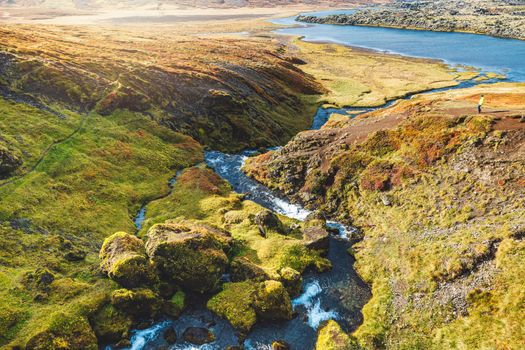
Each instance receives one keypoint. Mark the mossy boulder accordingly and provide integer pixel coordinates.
(175, 305)
(317, 238)
(243, 269)
(188, 255)
(332, 337)
(110, 324)
(9, 162)
(267, 220)
(291, 280)
(235, 304)
(64, 332)
(123, 259)
(39, 280)
(272, 301)
(139, 303)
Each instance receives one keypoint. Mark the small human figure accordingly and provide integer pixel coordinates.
(480, 104)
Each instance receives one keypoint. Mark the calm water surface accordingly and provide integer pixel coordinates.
(481, 51)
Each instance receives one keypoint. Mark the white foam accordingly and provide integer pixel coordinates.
(142, 337)
(311, 302)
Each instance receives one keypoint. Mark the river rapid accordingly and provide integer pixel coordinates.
(338, 294)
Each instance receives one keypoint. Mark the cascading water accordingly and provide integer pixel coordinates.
(338, 294)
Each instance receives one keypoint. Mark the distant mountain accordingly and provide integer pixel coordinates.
(87, 4)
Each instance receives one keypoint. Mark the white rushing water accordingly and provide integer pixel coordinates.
(311, 302)
(140, 338)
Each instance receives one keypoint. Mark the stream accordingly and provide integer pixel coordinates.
(339, 294)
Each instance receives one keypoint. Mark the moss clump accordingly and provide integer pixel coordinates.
(332, 337)
(235, 304)
(176, 304)
(71, 332)
(138, 303)
(291, 280)
(241, 269)
(9, 162)
(192, 256)
(123, 258)
(272, 301)
(300, 258)
(110, 324)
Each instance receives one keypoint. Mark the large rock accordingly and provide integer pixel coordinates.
(267, 220)
(192, 256)
(64, 331)
(272, 302)
(9, 162)
(332, 337)
(124, 260)
(242, 269)
(198, 335)
(292, 281)
(110, 324)
(139, 303)
(317, 238)
(235, 304)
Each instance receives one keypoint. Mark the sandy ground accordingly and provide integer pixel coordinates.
(144, 15)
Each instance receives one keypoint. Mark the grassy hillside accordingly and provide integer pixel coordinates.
(439, 196)
(227, 93)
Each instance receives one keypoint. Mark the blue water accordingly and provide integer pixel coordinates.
(487, 53)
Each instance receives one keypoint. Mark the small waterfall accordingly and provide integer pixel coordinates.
(140, 338)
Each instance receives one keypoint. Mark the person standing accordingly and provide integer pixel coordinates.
(480, 104)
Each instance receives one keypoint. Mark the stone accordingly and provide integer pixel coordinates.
(272, 302)
(75, 255)
(198, 335)
(64, 331)
(242, 269)
(139, 302)
(170, 335)
(316, 237)
(110, 324)
(9, 162)
(268, 220)
(188, 255)
(280, 345)
(332, 337)
(292, 281)
(175, 305)
(123, 258)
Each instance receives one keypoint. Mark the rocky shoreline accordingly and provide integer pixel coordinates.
(505, 20)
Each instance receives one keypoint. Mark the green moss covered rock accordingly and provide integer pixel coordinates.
(139, 303)
(267, 220)
(235, 304)
(272, 301)
(190, 256)
(332, 337)
(110, 324)
(317, 238)
(242, 269)
(291, 280)
(65, 332)
(123, 258)
(175, 305)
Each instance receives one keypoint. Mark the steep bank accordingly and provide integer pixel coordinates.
(439, 195)
(496, 18)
